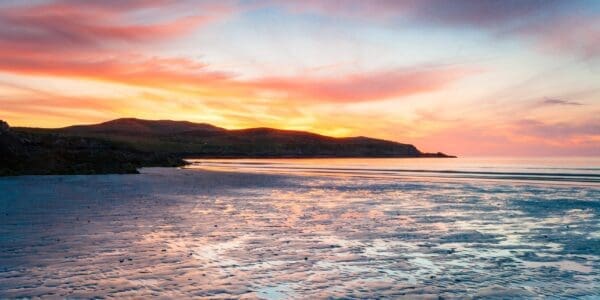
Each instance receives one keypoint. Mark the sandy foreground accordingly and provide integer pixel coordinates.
(178, 233)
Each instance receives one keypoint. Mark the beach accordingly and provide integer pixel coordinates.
(225, 229)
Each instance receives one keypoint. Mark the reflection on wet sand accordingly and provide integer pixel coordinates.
(196, 233)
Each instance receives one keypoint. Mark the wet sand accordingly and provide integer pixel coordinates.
(195, 233)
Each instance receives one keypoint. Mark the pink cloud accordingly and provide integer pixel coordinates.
(122, 68)
(72, 26)
(364, 86)
(91, 39)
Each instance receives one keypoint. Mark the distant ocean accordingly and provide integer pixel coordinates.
(568, 169)
(308, 228)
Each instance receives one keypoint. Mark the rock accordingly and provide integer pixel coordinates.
(4, 128)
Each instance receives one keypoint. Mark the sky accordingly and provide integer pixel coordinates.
(466, 77)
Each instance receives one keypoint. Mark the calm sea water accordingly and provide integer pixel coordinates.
(568, 169)
(308, 228)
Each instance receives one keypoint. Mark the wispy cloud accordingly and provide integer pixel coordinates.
(92, 39)
(553, 101)
(557, 132)
(565, 26)
(71, 26)
(577, 34)
(365, 86)
(492, 13)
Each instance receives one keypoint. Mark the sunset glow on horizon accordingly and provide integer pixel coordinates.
(463, 77)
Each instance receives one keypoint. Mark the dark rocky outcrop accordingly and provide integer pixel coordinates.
(27, 153)
(12, 150)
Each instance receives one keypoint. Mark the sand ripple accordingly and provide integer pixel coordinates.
(190, 233)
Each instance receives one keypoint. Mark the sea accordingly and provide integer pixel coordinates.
(355, 228)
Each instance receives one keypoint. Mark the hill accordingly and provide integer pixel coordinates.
(123, 145)
(203, 140)
(138, 126)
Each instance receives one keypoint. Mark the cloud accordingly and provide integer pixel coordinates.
(551, 101)
(184, 73)
(92, 39)
(565, 26)
(128, 69)
(365, 86)
(558, 132)
(78, 44)
(576, 34)
(491, 13)
(71, 26)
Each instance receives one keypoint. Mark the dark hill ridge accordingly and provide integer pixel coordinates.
(138, 126)
(123, 145)
(203, 140)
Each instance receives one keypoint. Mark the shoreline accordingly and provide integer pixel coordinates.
(176, 162)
